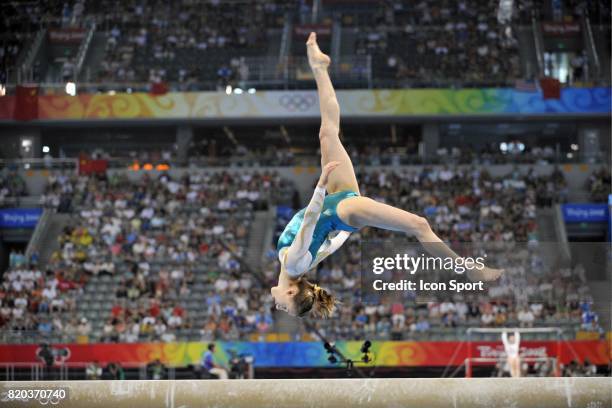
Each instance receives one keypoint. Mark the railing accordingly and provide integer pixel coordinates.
(39, 232)
(80, 58)
(67, 368)
(20, 201)
(255, 160)
(65, 371)
(40, 164)
(264, 72)
(25, 68)
(561, 233)
(312, 160)
(590, 44)
(470, 362)
(539, 46)
(8, 369)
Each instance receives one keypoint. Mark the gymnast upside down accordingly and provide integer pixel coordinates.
(306, 239)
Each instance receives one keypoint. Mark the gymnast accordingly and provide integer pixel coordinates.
(512, 347)
(308, 238)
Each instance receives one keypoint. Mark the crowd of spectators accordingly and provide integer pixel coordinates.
(158, 41)
(12, 185)
(146, 246)
(428, 43)
(494, 153)
(32, 300)
(598, 185)
(597, 10)
(432, 41)
(577, 369)
(21, 21)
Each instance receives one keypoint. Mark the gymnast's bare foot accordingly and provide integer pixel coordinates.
(316, 58)
(485, 274)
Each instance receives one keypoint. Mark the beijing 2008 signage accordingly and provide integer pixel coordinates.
(19, 217)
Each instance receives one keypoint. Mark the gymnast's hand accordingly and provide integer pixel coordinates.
(329, 167)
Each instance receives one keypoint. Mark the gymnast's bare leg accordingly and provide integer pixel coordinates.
(362, 211)
(343, 177)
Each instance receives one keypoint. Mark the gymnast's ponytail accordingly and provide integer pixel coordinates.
(314, 299)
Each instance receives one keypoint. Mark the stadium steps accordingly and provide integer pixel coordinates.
(274, 42)
(550, 242)
(94, 58)
(546, 225)
(49, 242)
(349, 41)
(601, 37)
(527, 51)
(257, 242)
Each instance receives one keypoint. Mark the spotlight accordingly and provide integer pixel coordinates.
(251, 91)
(228, 89)
(71, 88)
(574, 146)
(111, 92)
(46, 149)
(238, 91)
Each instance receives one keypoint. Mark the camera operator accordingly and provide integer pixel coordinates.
(45, 354)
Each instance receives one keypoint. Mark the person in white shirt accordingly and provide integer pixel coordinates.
(512, 348)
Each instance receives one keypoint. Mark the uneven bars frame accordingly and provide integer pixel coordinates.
(470, 330)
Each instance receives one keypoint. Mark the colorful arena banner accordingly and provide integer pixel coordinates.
(309, 354)
(19, 217)
(585, 212)
(304, 104)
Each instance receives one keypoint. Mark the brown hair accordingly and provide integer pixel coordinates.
(312, 298)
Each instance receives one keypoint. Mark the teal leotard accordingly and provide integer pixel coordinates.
(328, 222)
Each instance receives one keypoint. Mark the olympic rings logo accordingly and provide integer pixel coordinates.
(297, 102)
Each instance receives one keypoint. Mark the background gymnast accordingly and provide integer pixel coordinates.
(512, 346)
(306, 240)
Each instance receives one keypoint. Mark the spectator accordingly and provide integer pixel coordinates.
(114, 371)
(208, 364)
(93, 371)
(156, 370)
(525, 317)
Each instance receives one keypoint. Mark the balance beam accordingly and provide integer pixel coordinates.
(322, 393)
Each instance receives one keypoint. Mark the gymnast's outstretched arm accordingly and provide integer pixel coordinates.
(297, 259)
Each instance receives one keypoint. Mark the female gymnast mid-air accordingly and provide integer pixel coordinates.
(306, 240)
